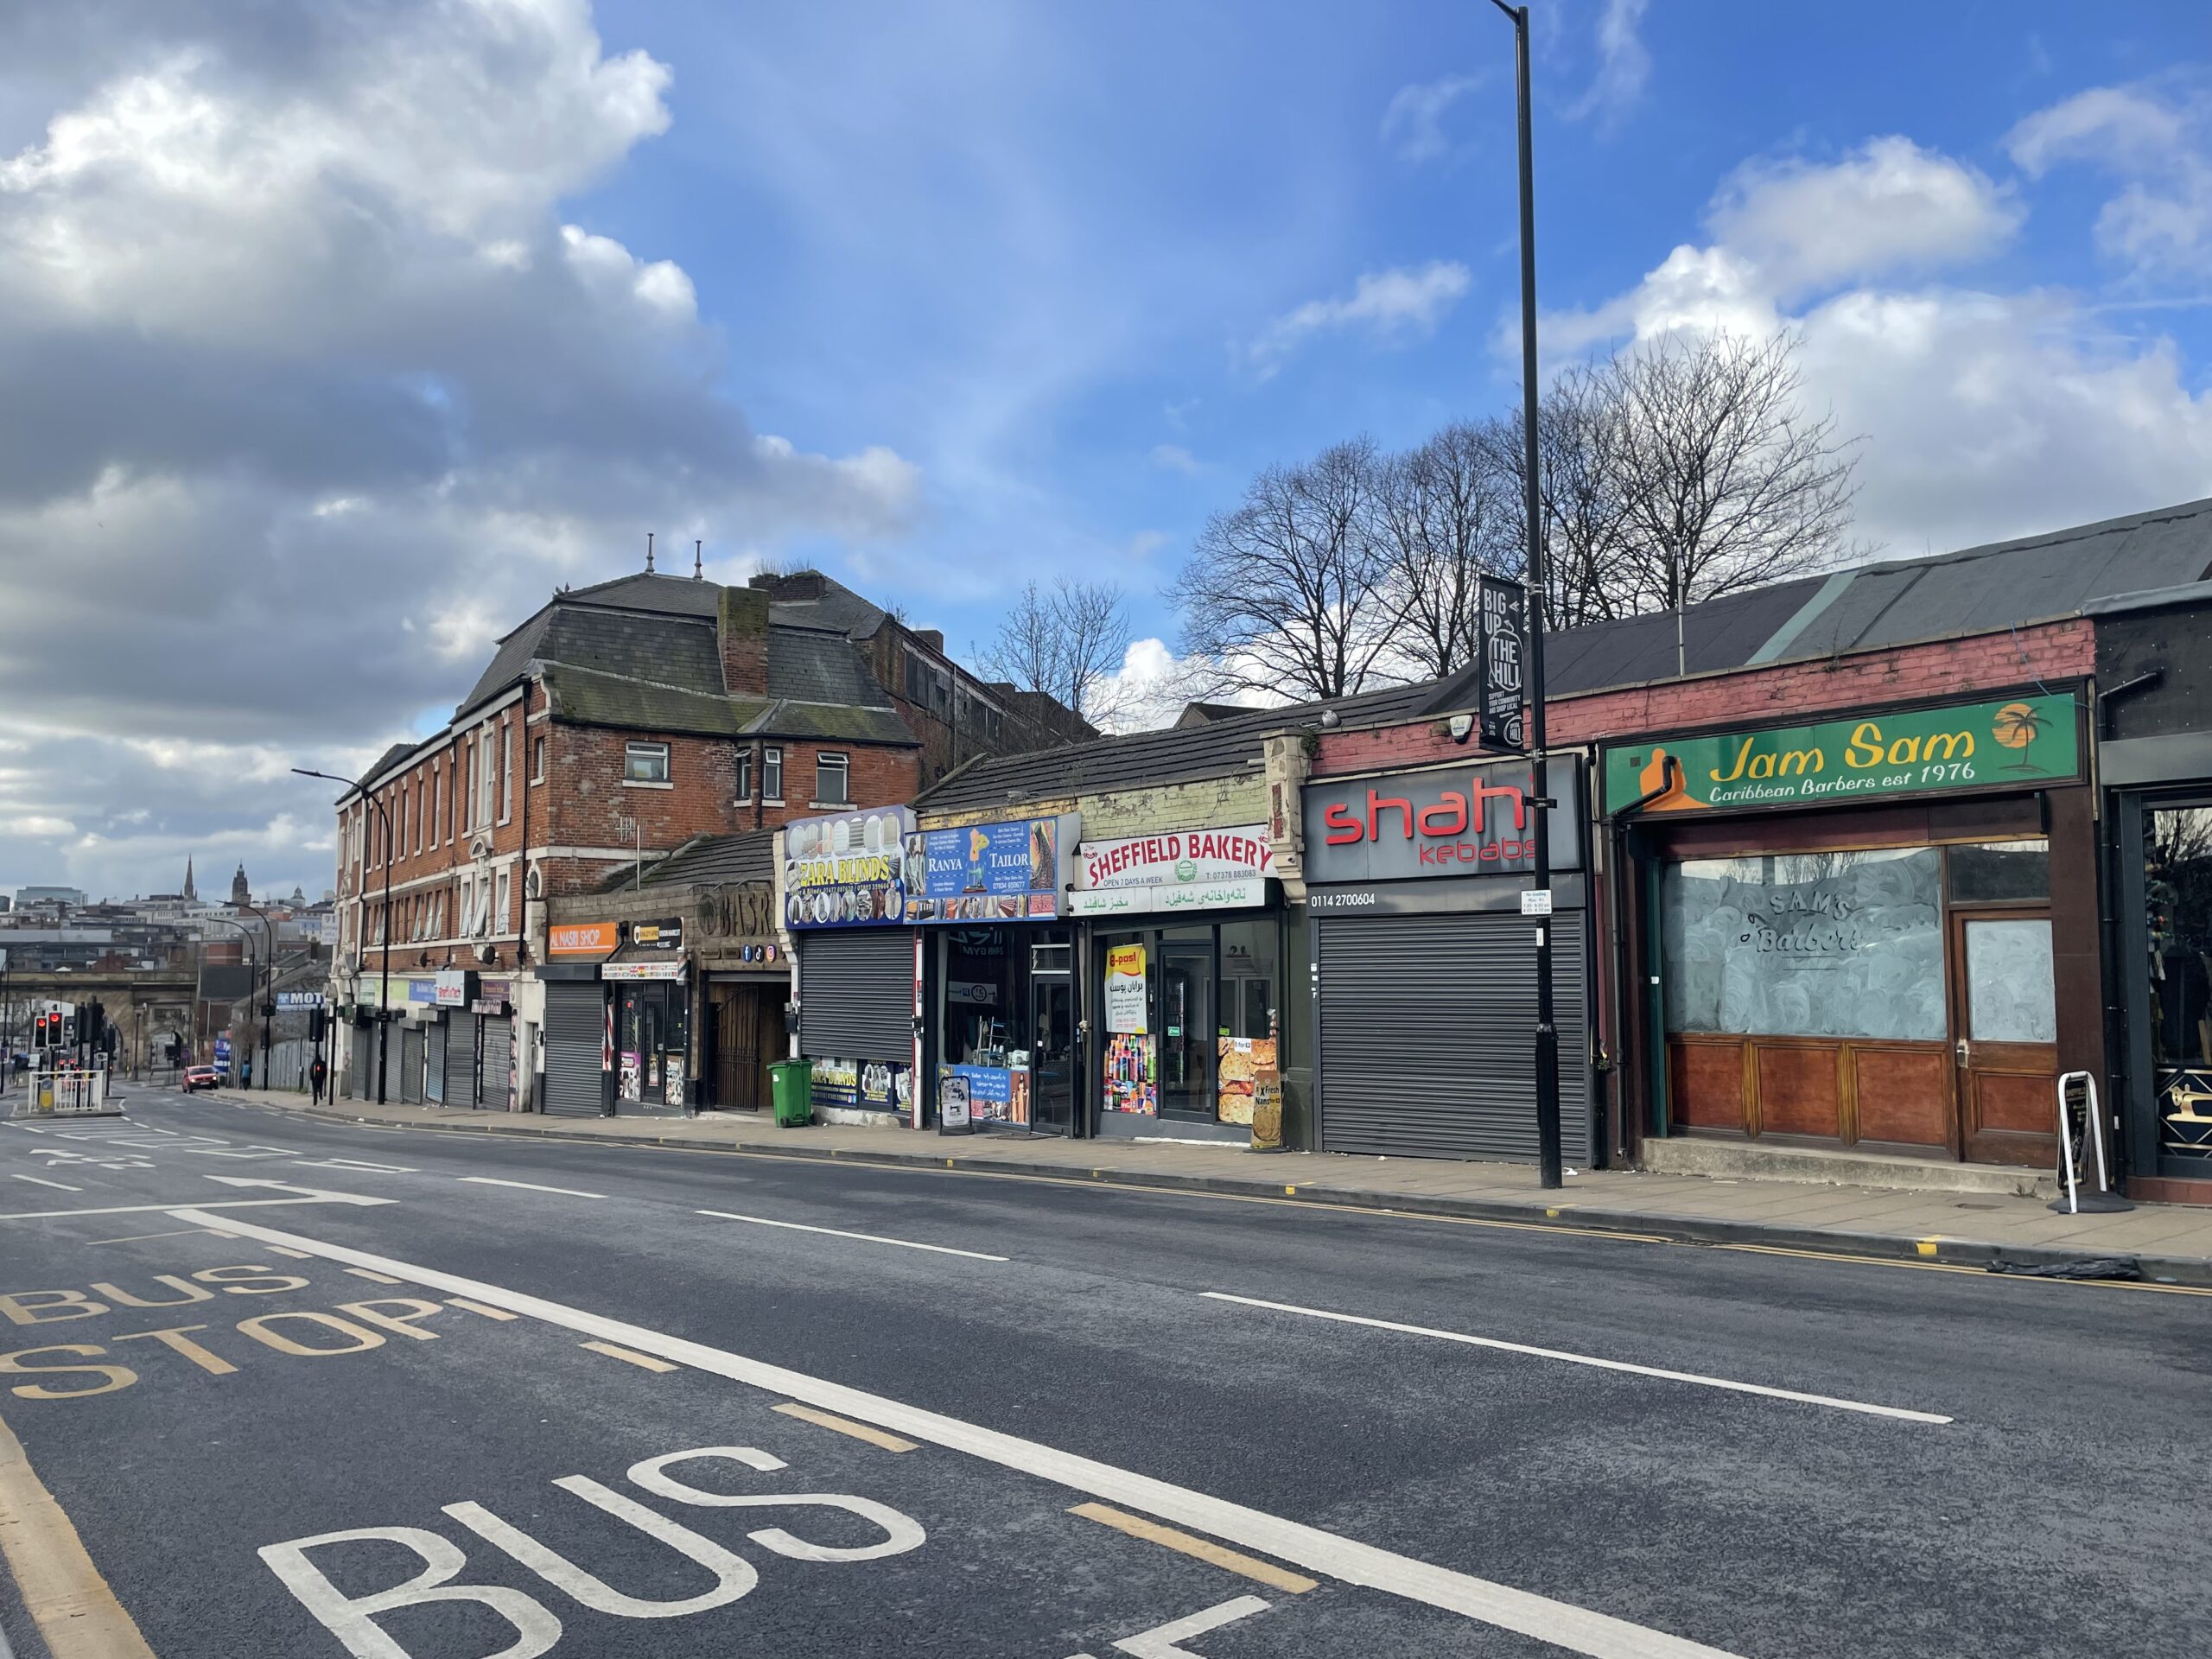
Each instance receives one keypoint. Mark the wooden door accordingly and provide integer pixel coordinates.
(2004, 1031)
(747, 1037)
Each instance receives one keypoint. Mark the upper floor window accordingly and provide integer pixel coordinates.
(833, 778)
(486, 779)
(928, 685)
(644, 763)
(745, 774)
(771, 774)
(537, 762)
(506, 773)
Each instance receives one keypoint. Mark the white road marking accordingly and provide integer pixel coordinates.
(357, 1163)
(530, 1186)
(867, 1238)
(1164, 1640)
(41, 1180)
(1561, 1623)
(1899, 1412)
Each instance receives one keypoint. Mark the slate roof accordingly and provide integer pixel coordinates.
(839, 610)
(1173, 755)
(808, 666)
(711, 860)
(665, 595)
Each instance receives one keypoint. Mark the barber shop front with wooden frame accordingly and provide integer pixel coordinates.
(1876, 929)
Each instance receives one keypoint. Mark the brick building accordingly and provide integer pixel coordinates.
(617, 724)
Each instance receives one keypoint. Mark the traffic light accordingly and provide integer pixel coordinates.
(45, 1032)
(93, 1028)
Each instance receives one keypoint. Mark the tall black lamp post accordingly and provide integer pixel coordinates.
(252, 971)
(383, 953)
(1548, 1131)
(265, 1009)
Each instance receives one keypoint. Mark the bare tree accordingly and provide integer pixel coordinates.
(1728, 481)
(1067, 643)
(1580, 500)
(1286, 595)
(1447, 513)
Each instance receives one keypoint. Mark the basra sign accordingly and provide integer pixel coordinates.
(1468, 820)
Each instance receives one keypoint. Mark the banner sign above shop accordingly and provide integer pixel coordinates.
(1470, 820)
(670, 969)
(451, 989)
(580, 939)
(2004, 743)
(1182, 869)
(1235, 892)
(1501, 649)
(661, 936)
(992, 871)
(849, 870)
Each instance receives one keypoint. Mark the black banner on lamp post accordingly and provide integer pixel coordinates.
(1501, 662)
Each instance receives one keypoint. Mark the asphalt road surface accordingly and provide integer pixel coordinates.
(605, 1401)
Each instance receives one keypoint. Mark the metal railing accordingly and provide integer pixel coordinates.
(65, 1092)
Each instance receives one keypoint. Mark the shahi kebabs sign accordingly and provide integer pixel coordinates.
(1013, 870)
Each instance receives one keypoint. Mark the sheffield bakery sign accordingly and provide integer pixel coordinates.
(1459, 821)
(1181, 869)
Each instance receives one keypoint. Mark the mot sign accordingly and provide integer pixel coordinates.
(1500, 656)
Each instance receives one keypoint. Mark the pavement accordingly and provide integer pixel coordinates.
(2171, 1243)
(276, 1386)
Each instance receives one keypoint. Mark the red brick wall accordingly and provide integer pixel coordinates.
(1949, 667)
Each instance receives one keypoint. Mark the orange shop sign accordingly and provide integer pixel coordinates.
(580, 939)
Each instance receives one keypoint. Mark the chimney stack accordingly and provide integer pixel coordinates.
(741, 626)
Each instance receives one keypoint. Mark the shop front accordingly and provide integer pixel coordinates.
(999, 985)
(1876, 932)
(648, 993)
(843, 887)
(1423, 963)
(1184, 940)
(578, 1032)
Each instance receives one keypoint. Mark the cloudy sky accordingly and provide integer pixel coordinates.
(334, 335)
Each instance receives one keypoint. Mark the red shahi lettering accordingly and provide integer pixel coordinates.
(1447, 817)
(1342, 826)
(1378, 805)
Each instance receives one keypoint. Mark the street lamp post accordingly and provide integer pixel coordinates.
(1548, 1124)
(264, 1009)
(252, 973)
(383, 953)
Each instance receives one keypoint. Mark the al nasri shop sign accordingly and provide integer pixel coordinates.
(1179, 869)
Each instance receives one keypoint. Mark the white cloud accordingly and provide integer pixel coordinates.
(1987, 414)
(1888, 206)
(1390, 306)
(1623, 63)
(322, 389)
(2156, 139)
(1148, 690)
(1174, 458)
(1414, 122)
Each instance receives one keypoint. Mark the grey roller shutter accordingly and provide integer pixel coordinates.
(575, 1031)
(365, 1062)
(491, 1090)
(856, 994)
(1428, 1039)
(460, 1060)
(410, 1065)
(434, 1060)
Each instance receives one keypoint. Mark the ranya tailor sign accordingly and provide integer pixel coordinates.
(1469, 820)
(1180, 870)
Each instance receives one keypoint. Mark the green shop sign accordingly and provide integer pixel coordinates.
(2000, 745)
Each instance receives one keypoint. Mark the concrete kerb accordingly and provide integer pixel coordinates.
(2189, 1270)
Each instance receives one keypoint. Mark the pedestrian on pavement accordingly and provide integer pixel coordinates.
(245, 1072)
(316, 1073)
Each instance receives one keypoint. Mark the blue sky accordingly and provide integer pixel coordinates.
(1039, 251)
(343, 331)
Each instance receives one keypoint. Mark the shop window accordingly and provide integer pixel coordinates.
(1996, 871)
(1248, 979)
(1806, 944)
(2177, 922)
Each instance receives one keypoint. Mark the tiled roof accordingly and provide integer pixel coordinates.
(807, 666)
(713, 861)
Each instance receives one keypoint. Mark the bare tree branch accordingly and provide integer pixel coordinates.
(1446, 513)
(1068, 644)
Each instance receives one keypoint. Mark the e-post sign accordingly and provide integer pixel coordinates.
(1500, 659)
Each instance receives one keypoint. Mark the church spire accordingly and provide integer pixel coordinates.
(190, 892)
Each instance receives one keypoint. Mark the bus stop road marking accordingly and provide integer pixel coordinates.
(644, 1362)
(1326, 1555)
(858, 1431)
(68, 1602)
(1205, 1549)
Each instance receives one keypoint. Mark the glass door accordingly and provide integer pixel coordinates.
(2006, 1014)
(2172, 993)
(1051, 1051)
(1186, 1023)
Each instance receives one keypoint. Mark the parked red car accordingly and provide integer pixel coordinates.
(201, 1077)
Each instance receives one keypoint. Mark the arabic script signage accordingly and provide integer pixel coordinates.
(1182, 869)
(2002, 743)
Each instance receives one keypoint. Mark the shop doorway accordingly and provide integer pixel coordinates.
(748, 1035)
(1186, 1040)
(2004, 1014)
(1052, 1056)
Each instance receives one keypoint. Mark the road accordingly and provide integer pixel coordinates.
(603, 1401)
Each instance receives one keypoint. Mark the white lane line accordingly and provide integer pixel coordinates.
(41, 1180)
(1578, 1630)
(1899, 1412)
(865, 1238)
(530, 1186)
(358, 1163)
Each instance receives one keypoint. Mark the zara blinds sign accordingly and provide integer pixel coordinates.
(2004, 743)
(1501, 651)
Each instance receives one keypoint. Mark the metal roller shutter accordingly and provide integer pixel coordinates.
(409, 1061)
(365, 1062)
(433, 1062)
(1428, 1036)
(461, 1059)
(856, 994)
(575, 1032)
(493, 1093)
